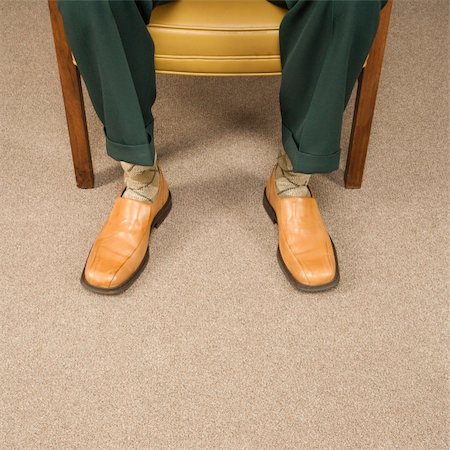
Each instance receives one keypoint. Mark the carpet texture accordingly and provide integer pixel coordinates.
(212, 347)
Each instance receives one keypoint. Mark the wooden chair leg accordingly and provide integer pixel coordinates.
(365, 105)
(73, 102)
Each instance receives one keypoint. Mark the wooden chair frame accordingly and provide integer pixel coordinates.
(76, 118)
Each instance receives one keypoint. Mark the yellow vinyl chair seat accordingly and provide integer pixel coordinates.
(217, 37)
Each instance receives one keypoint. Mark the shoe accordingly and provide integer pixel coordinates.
(120, 252)
(305, 250)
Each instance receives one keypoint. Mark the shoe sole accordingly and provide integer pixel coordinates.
(300, 286)
(157, 221)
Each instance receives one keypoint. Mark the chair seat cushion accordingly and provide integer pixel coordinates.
(220, 37)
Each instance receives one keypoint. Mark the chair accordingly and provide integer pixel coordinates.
(197, 38)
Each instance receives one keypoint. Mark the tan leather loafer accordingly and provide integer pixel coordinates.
(120, 252)
(305, 250)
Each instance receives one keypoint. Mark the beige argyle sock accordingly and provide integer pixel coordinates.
(288, 182)
(141, 182)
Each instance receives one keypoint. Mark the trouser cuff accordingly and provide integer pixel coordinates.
(143, 154)
(314, 161)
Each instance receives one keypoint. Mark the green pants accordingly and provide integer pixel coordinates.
(323, 46)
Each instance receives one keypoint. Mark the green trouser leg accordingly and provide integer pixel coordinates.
(115, 55)
(323, 47)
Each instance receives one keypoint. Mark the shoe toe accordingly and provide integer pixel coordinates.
(101, 269)
(314, 269)
(319, 272)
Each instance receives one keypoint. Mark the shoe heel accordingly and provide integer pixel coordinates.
(269, 210)
(163, 213)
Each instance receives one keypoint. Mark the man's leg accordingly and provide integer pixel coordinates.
(323, 46)
(115, 56)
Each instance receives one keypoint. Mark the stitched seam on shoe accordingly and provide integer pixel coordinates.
(329, 255)
(295, 259)
(132, 253)
(328, 252)
(120, 267)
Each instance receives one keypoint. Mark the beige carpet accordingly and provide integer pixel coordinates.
(213, 348)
